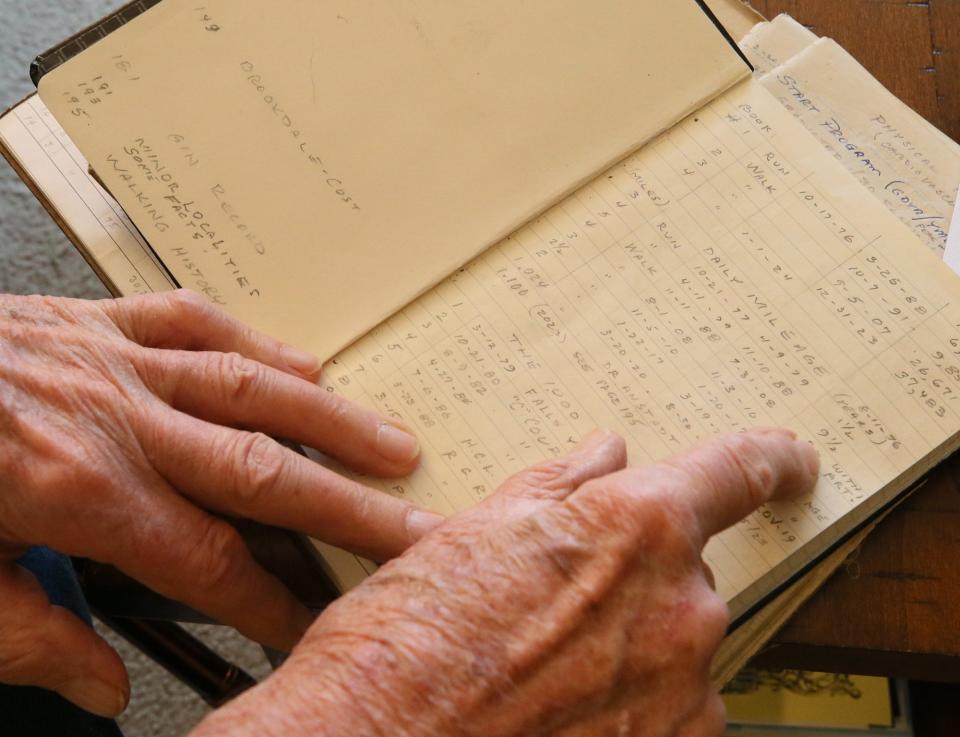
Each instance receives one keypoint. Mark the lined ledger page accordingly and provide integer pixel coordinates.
(445, 375)
(730, 274)
(93, 220)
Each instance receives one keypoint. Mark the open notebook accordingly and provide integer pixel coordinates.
(730, 273)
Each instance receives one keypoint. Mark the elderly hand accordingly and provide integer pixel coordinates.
(117, 441)
(572, 603)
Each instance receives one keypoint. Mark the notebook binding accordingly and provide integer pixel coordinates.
(50, 60)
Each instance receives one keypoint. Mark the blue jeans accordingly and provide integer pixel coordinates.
(36, 712)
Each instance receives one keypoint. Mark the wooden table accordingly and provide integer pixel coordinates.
(894, 609)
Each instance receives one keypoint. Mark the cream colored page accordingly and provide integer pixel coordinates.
(769, 45)
(53, 163)
(904, 161)
(736, 16)
(730, 274)
(277, 155)
(951, 253)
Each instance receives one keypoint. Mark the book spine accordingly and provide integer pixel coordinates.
(50, 60)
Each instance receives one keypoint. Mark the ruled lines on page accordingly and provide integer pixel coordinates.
(731, 274)
(60, 173)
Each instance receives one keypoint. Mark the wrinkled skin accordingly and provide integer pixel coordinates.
(118, 442)
(572, 603)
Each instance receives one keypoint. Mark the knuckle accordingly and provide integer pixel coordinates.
(57, 310)
(26, 644)
(701, 622)
(713, 618)
(186, 305)
(20, 656)
(548, 475)
(260, 467)
(336, 410)
(663, 533)
(660, 512)
(751, 469)
(240, 377)
(644, 504)
(361, 501)
(213, 562)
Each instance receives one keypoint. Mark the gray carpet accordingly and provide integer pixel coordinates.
(35, 257)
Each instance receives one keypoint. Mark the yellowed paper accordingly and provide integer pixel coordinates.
(736, 16)
(904, 161)
(771, 44)
(951, 253)
(98, 224)
(315, 166)
(730, 274)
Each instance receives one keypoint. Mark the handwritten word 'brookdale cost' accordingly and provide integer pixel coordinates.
(289, 123)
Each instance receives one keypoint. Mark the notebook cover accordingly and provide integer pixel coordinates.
(62, 52)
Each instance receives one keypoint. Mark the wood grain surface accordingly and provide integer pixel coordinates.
(894, 609)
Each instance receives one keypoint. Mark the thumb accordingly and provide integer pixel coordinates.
(49, 646)
(600, 453)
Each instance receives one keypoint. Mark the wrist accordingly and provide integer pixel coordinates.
(326, 693)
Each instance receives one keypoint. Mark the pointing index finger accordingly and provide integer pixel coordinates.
(733, 475)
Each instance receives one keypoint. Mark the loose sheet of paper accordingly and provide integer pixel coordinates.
(274, 155)
(728, 275)
(771, 44)
(951, 254)
(906, 163)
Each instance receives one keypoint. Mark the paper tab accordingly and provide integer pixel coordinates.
(951, 254)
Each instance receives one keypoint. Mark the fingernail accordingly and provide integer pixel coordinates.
(813, 459)
(396, 444)
(775, 431)
(301, 361)
(96, 696)
(421, 522)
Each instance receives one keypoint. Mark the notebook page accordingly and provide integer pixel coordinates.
(903, 160)
(730, 274)
(96, 222)
(41, 159)
(270, 152)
